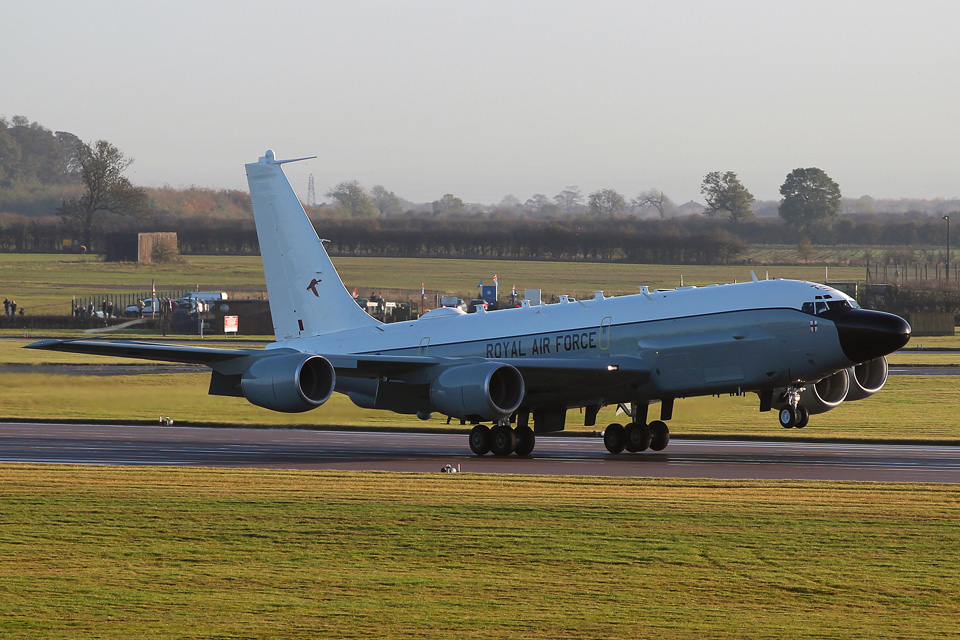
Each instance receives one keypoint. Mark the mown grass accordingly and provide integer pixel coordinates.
(908, 407)
(201, 553)
(44, 283)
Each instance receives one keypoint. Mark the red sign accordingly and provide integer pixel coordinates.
(230, 324)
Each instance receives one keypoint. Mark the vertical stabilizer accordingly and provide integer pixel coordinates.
(307, 297)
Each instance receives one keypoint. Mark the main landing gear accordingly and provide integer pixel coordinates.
(638, 435)
(501, 440)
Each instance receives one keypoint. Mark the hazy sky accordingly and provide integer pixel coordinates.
(487, 98)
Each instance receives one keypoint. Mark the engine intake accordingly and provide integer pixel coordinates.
(290, 383)
(826, 394)
(867, 378)
(484, 391)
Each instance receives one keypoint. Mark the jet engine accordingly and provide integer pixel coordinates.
(484, 391)
(826, 394)
(290, 383)
(867, 378)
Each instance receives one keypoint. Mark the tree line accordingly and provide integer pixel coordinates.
(418, 237)
(97, 196)
(695, 240)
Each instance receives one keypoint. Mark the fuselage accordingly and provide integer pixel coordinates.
(696, 341)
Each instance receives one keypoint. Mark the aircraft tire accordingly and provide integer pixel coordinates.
(803, 417)
(480, 439)
(637, 437)
(659, 435)
(503, 440)
(525, 441)
(614, 438)
(788, 417)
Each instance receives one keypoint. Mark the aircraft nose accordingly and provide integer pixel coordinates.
(865, 335)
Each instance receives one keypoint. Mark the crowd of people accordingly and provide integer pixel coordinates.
(106, 310)
(10, 307)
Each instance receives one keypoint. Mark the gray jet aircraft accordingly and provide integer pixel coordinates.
(802, 347)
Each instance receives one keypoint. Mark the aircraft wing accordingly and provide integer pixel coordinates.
(145, 350)
(228, 360)
(539, 374)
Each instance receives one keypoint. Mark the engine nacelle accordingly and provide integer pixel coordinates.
(867, 378)
(484, 391)
(290, 383)
(826, 394)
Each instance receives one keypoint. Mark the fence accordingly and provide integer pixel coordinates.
(120, 301)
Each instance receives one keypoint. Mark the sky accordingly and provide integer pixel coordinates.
(485, 98)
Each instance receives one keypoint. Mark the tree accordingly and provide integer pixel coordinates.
(539, 203)
(31, 153)
(656, 199)
(106, 190)
(810, 197)
(569, 199)
(448, 204)
(387, 202)
(725, 195)
(352, 197)
(606, 203)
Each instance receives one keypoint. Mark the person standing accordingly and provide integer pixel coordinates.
(140, 308)
(6, 306)
(110, 309)
(13, 307)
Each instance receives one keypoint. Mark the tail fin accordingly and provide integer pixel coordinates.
(307, 297)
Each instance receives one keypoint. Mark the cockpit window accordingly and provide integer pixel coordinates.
(820, 306)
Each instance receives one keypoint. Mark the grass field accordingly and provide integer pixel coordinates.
(204, 553)
(208, 553)
(42, 283)
(909, 407)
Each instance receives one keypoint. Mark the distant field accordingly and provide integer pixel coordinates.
(44, 284)
(211, 553)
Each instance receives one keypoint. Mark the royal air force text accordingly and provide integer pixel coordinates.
(543, 345)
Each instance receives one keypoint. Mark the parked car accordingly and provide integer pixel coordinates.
(132, 311)
(476, 302)
(453, 302)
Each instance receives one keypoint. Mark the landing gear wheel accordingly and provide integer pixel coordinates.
(480, 440)
(614, 438)
(659, 435)
(637, 437)
(803, 417)
(502, 440)
(788, 417)
(525, 441)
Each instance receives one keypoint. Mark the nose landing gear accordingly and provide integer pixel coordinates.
(793, 414)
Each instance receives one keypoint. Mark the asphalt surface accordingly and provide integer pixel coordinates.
(417, 452)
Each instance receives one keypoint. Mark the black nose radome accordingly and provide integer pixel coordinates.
(865, 335)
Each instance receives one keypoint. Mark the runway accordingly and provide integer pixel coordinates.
(418, 452)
